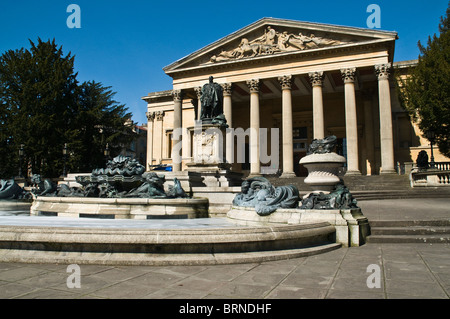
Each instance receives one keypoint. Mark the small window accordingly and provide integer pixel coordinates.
(169, 145)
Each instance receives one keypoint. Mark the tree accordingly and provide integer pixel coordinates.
(425, 94)
(43, 107)
(38, 87)
(98, 120)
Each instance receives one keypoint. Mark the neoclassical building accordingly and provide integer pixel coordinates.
(299, 80)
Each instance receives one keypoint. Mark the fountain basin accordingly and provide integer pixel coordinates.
(133, 242)
(121, 208)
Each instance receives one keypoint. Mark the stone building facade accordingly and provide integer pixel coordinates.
(301, 81)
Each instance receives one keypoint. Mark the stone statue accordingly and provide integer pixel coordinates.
(120, 165)
(176, 191)
(340, 198)
(43, 187)
(212, 103)
(11, 190)
(422, 160)
(259, 193)
(122, 178)
(322, 146)
(64, 190)
(153, 187)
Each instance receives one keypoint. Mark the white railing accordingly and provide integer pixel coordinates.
(439, 175)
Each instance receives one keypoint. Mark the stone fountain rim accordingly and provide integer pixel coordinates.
(131, 200)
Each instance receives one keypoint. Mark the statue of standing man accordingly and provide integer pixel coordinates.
(212, 103)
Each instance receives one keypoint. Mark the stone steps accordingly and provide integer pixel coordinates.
(415, 231)
(374, 187)
(377, 182)
(127, 259)
(355, 183)
(437, 192)
(399, 239)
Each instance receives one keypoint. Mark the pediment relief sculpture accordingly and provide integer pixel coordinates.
(272, 42)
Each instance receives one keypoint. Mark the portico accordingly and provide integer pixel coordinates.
(306, 80)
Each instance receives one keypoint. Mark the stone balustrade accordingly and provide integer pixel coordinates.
(439, 175)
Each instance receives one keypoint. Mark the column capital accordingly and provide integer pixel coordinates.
(150, 116)
(382, 71)
(253, 85)
(316, 78)
(159, 115)
(285, 81)
(198, 91)
(348, 75)
(226, 88)
(177, 95)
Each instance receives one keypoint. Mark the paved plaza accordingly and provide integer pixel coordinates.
(405, 271)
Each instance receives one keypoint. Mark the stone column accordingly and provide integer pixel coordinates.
(288, 147)
(316, 79)
(255, 165)
(159, 116)
(351, 125)
(150, 119)
(228, 112)
(177, 124)
(386, 137)
(368, 131)
(198, 91)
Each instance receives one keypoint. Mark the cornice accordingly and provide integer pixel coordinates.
(283, 57)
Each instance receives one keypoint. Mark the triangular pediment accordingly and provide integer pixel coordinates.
(270, 37)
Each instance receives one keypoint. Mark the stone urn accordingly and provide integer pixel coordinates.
(323, 170)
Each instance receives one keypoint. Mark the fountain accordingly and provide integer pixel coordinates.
(265, 222)
(323, 165)
(13, 198)
(122, 190)
(331, 201)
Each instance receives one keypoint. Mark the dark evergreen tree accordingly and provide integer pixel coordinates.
(38, 90)
(425, 94)
(99, 121)
(43, 107)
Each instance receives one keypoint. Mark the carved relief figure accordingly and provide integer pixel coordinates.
(273, 42)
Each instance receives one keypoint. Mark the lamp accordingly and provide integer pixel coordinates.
(21, 152)
(431, 136)
(106, 152)
(65, 158)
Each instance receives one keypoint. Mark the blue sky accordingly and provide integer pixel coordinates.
(125, 44)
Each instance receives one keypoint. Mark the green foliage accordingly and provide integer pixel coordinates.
(426, 93)
(43, 106)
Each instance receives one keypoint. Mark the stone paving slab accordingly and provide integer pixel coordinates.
(406, 209)
(415, 271)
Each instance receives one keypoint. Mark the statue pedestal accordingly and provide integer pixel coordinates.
(208, 161)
